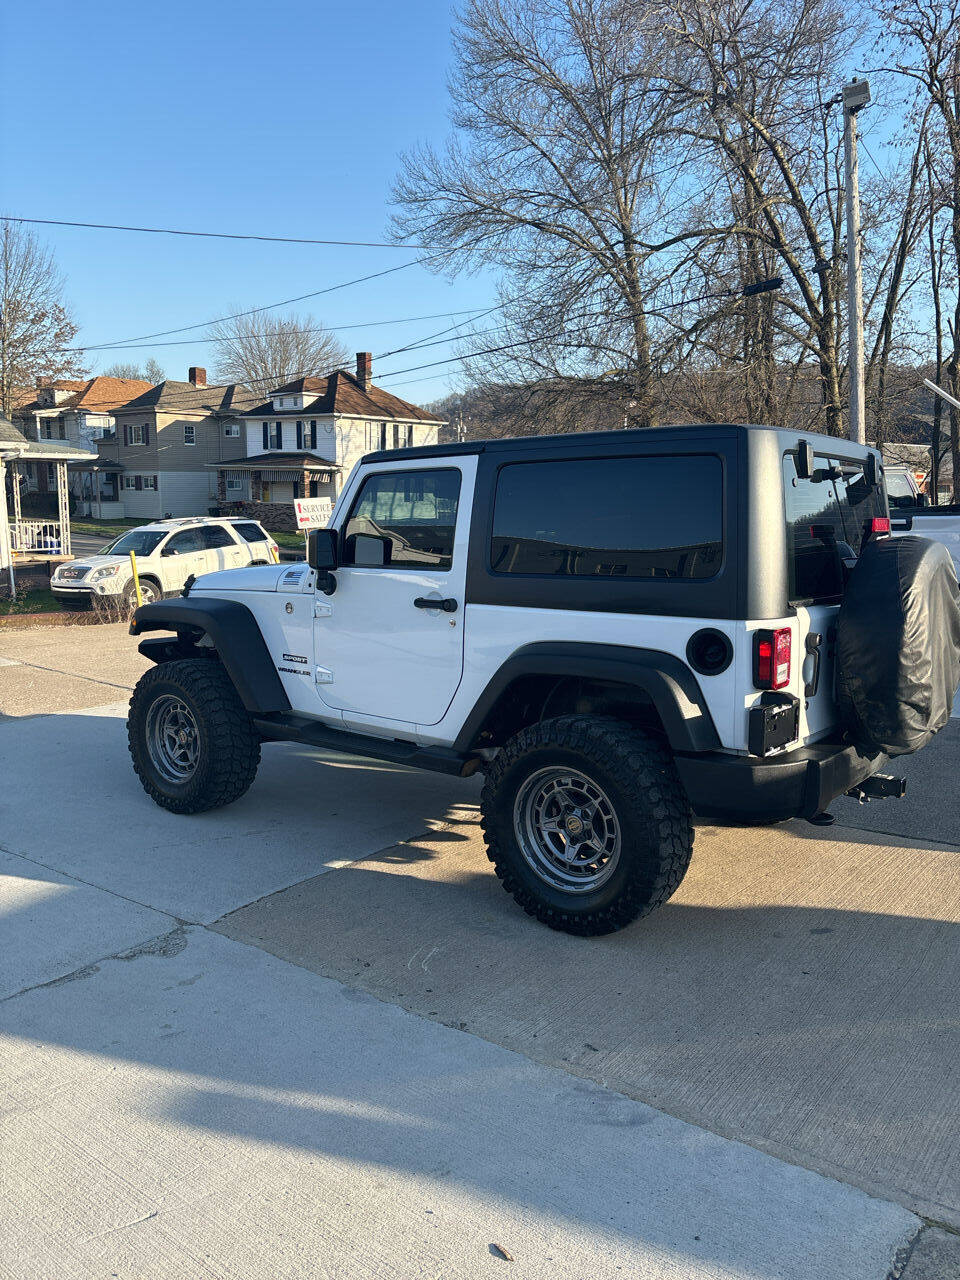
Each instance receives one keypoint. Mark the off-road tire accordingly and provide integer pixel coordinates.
(229, 746)
(637, 773)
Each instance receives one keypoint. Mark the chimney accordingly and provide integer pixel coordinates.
(197, 376)
(364, 369)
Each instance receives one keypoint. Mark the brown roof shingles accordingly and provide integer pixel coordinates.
(342, 393)
(97, 395)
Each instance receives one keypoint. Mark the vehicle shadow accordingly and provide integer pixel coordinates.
(787, 996)
(202, 1036)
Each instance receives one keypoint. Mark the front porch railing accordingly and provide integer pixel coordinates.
(41, 537)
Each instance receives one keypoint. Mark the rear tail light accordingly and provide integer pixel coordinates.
(771, 659)
(879, 524)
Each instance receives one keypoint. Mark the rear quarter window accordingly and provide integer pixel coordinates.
(827, 522)
(249, 531)
(628, 517)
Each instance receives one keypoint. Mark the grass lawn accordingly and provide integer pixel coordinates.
(105, 529)
(41, 601)
(292, 541)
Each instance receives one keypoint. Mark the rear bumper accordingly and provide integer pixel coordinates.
(796, 784)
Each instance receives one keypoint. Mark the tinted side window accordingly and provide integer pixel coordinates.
(181, 543)
(642, 517)
(250, 532)
(416, 511)
(215, 535)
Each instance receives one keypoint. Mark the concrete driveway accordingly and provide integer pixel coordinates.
(310, 1035)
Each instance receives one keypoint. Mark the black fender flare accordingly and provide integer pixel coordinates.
(669, 683)
(235, 635)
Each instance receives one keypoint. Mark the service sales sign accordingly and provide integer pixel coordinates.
(313, 513)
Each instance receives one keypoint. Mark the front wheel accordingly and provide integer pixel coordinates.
(149, 591)
(193, 744)
(586, 823)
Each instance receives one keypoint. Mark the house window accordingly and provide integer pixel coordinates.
(150, 482)
(276, 436)
(402, 435)
(232, 430)
(129, 482)
(376, 435)
(137, 434)
(189, 433)
(280, 402)
(51, 473)
(313, 433)
(234, 484)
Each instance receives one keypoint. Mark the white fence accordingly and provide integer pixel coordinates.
(40, 537)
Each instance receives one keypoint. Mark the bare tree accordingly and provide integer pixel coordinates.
(563, 172)
(36, 327)
(150, 371)
(923, 41)
(266, 349)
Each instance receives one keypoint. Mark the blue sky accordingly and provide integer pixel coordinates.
(282, 119)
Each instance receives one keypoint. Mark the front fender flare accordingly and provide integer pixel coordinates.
(235, 635)
(668, 682)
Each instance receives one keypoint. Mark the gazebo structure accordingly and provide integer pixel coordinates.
(42, 537)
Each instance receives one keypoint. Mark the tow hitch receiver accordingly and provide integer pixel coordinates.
(881, 786)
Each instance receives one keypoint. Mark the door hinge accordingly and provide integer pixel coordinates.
(321, 610)
(323, 675)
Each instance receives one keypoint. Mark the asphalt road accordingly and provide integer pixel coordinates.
(310, 1035)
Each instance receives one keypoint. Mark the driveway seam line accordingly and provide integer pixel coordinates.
(67, 875)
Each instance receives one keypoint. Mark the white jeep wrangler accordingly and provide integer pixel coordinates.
(621, 630)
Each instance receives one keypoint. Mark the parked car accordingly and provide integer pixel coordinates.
(620, 630)
(168, 552)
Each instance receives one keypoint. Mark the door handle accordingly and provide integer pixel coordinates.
(424, 602)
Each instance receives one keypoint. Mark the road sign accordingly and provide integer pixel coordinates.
(312, 513)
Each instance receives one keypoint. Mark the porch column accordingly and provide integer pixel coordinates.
(15, 486)
(63, 507)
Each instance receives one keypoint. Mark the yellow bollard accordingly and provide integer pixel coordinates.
(136, 577)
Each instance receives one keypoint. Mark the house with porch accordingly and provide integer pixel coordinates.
(304, 438)
(78, 413)
(157, 460)
(39, 537)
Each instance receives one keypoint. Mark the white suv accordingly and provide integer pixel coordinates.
(168, 552)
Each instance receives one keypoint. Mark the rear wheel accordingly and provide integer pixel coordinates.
(192, 742)
(587, 823)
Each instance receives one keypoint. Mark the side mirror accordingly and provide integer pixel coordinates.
(804, 461)
(322, 556)
(322, 550)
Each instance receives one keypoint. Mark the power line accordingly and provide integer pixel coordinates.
(763, 286)
(267, 333)
(272, 306)
(210, 235)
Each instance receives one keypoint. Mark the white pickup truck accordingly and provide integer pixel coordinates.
(939, 524)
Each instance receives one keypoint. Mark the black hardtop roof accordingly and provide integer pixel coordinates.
(554, 444)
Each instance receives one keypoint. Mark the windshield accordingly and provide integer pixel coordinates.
(828, 520)
(898, 485)
(140, 541)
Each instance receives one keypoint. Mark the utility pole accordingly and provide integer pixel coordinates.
(856, 95)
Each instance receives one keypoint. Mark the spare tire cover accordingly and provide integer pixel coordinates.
(898, 645)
